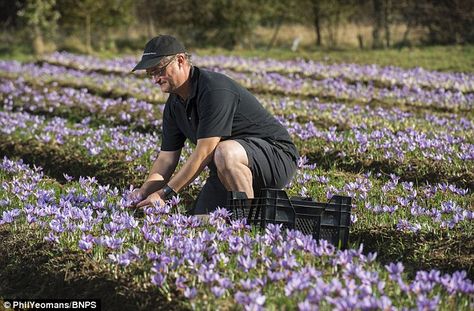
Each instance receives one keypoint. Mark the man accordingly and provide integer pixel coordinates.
(245, 148)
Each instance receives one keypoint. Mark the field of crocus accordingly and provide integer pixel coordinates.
(77, 133)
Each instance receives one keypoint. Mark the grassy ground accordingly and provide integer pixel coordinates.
(47, 271)
(72, 274)
(442, 58)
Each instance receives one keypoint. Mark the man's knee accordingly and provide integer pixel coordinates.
(228, 154)
(223, 155)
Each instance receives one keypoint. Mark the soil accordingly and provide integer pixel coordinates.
(34, 269)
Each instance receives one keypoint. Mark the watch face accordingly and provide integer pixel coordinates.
(168, 192)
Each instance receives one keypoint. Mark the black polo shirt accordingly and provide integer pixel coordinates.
(219, 107)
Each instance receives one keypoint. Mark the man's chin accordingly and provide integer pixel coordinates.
(166, 88)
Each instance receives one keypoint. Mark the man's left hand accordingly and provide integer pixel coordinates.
(154, 198)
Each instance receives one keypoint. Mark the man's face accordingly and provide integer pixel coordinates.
(163, 74)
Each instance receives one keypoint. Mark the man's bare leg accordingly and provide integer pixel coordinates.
(232, 167)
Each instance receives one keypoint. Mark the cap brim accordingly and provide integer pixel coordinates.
(147, 63)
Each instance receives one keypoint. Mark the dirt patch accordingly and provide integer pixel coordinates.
(57, 160)
(31, 268)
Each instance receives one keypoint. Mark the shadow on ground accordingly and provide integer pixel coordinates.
(418, 173)
(31, 268)
(420, 251)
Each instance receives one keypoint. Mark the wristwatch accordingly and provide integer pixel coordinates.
(168, 192)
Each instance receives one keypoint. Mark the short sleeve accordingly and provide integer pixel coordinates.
(216, 113)
(172, 137)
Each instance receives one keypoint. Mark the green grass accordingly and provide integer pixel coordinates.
(441, 58)
(49, 262)
(431, 247)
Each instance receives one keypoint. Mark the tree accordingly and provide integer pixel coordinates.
(94, 19)
(41, 16)
(377, 23)
(326, 15)
(228, 22)
(448, 21)
(274, 13)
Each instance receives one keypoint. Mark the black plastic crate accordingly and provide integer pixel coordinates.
(308, 215)
(336, 221)
(272, 206)
(328, 221)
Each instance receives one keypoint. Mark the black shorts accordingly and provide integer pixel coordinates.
(273, 165)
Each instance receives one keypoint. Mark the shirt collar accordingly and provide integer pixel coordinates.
(194, 81)
(193, 76)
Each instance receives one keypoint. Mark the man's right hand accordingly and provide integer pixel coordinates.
(140, 194)
(135, 197)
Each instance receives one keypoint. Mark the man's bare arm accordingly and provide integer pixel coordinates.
(198, 160)
(161, 171)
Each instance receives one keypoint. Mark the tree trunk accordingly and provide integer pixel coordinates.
(336, 27)
(151, 25)
(405, 34)
(387, 21)
(38, 43)
(360, 39)
(88, 34)
(378, 21)
(317, 21)
(275, 32)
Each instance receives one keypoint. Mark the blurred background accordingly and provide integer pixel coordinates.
(287, 26)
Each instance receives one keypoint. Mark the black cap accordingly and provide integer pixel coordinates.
(157, 48)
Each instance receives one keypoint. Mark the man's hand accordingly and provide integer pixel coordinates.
(134, 197)
(154, 198)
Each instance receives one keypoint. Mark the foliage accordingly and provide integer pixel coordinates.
(92, 20)
(223, 23)
(230, 24)
(41, 16)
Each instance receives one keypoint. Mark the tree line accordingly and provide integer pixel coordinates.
(228, 23)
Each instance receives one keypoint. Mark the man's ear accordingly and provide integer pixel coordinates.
(181, 59)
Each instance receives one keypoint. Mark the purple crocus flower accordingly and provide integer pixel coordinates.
(306, 305)
(405, 225)
(29, 218)
(112, 242)
(288, 261)
(246, 262)
(51, 237)
(207, 276)
(217, 291)
(225, 283)
(395, 270)
(174, 201)
(158, 279)
(425, 303)
(134, 252)
(252, 284)
(181, 282)
(457, 282)
(252, 301)
(9, 216)
(86, 242)
(239, 224)
(190, 292)
(218, 216)
(56, 225)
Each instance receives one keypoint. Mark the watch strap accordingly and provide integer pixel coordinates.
(168, 192)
